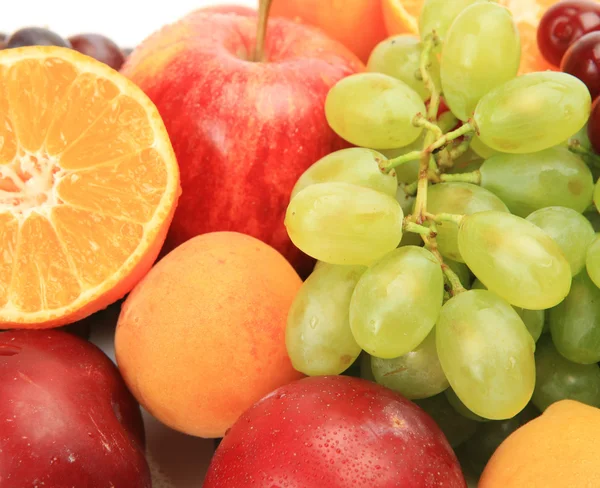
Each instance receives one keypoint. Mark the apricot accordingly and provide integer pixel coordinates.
(202, 337)
(358, 24)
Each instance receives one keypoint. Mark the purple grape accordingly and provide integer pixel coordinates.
(35, 36)
(99, 47)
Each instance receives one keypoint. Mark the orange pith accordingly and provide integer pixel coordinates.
(88, 186)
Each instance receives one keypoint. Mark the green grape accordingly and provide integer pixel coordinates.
(514, 259)
(549, 178)
(482, 50)
(319, 265)
(318, 336)
(365, 367)
(468, 157)
(341, 223)
(461, 408)
(460, 199)
(461, 270)
(596, 195)
(575, 323)
(457, 428)
(466, 165)
(438, 15)
(557, 378)
(405, 200)
(487, 354)
(374, 110)
(533, 112)
(400, 57)
(478, 285)
(580, 138)
(481, 149)
(546, 328)
(592, 261)
(355, 165)
(396, 302)
(481, 446)
(534, 320)
(409, 171)
(569, 229)
(417, 374)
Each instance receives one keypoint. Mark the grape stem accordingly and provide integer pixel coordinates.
(445, 217)
(409, 226)
(421, 121)
(411, 189)
(473, 177)
(588, 156)
(454, 285)
(264, 6)
(430, 43)
(430, 147)
(452, 136)
(405, 158)
(462, 147)
(426, 155)
(435, 138)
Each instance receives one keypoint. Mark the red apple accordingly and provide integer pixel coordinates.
(334, 432)
(66, 417)
(243, 131)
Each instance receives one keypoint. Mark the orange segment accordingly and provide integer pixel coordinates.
(401, 16)
(88, 186)
(121, 130)
(9, 229)
(36, 88)
(130, 187)
(40, 283)
(8, 144)
(99, 245)
(93, 96)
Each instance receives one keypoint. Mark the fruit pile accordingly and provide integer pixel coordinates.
(97, 46)
(372, 262)
(461, 227)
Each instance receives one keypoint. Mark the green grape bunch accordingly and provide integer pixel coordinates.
(457, 260)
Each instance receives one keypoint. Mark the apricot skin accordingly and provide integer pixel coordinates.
(202, 337)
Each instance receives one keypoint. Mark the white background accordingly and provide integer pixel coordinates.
(127, 22)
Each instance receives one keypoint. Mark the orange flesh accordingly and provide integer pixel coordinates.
(87, 176)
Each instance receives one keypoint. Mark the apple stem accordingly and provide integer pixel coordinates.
(264, 7)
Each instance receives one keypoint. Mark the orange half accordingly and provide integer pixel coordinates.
(88, 186)
(402, 16)
(527, 15)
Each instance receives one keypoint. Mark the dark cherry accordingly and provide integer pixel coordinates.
(582, 60)
(35, 36)
(594, 126)
(99, 47)
(2, 40)
(127, 51)
(563, 24)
